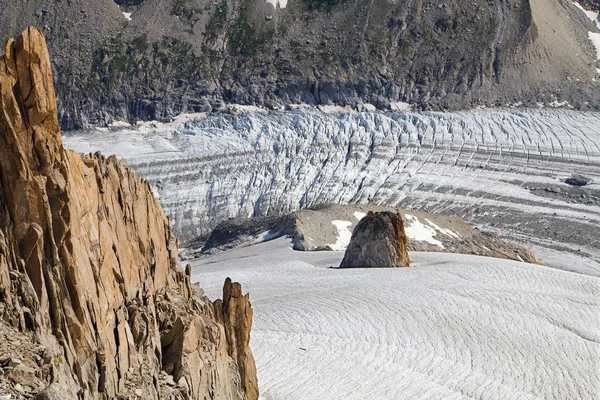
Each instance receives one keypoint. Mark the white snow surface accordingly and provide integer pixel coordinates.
(595, 38)
(275, 3)
(344, 235)
(416, 230)
(359, 215)
(453, 327)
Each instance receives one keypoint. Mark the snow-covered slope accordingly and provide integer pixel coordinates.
(503, 171)
(453, 327)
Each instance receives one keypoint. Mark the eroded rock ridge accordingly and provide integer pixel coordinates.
(88, 266)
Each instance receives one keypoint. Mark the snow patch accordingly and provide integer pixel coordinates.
(344, 235)
(242, 107)
(592, 15)
(556, 104)
(359, 215)
(595, 38)
(333, 109)
(280, 3)
(444, 231)
(416, 230)
(168, 127)
(119, 124)
(369, 107)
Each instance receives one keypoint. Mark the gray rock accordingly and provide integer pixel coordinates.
(56, 392)
(378, 241)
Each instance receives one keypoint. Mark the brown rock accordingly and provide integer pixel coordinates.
(87, 259)
(377, 241)
(236, 313)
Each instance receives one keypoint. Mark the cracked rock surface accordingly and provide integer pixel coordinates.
(89, 271)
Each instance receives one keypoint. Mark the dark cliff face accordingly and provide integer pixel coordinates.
(192, 55)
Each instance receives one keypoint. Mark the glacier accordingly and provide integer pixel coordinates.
(502, 170)
(452, 327)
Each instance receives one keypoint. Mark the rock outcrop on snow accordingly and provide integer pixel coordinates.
(88, 266)
(378, 241)
(330, 226)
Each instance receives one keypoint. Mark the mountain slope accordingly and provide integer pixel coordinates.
(176, 56)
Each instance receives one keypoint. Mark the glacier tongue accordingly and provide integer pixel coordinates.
(503, 170)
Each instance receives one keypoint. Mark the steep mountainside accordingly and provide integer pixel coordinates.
(88, 264)
(164, 57)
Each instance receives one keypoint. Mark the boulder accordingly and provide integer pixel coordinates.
(378, 241)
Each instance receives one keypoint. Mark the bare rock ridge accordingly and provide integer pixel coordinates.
(378, 241)
(235, 313)
(313, 229)
(88, 266)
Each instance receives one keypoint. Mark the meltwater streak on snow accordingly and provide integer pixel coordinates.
(416, 230)
(480, 165)
(453, 327)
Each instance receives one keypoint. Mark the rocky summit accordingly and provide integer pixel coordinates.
(153, 59)
(93, 304)
(378, 241)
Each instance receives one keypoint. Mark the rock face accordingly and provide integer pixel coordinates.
(378, 241)
(89, 265)
(235, 313)
(177, 56)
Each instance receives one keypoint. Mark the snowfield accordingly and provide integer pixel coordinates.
(452, 327)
